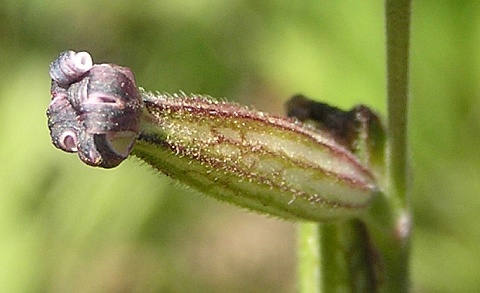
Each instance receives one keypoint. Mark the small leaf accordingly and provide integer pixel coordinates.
(360, 129)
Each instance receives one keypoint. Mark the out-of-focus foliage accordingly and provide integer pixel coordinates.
(66, 227)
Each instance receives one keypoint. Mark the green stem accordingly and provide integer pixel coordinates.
(389, 231)
(389, 220)
(333, 254)
(372, 254)
(398, 35)
(309, 274)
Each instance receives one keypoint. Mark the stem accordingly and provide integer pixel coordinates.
(372, 254)
(389, 220)
(336, 258)
(398, 34)
(309, 274)
(335, 265)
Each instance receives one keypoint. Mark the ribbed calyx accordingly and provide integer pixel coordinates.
(260, 161)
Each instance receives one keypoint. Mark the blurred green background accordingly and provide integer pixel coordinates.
(66, 227)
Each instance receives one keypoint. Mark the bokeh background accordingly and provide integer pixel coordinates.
(66, 227)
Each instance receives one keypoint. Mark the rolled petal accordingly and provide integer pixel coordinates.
(95, 109)
(70, 66)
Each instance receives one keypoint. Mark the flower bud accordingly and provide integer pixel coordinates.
(95, 109)
(267, 163)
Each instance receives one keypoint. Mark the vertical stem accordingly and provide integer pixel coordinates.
(383, 235)
(397, 14)
(389, 219)
(396, 246)
(335, 258)
(335, 266)
(309, 260)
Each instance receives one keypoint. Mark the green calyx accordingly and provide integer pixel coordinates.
(262, 162)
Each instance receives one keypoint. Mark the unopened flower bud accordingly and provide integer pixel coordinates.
(267, 163)
(95, 109)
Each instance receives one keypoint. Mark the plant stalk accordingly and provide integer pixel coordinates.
(372, 254)
(309, 274)
(397, 13)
